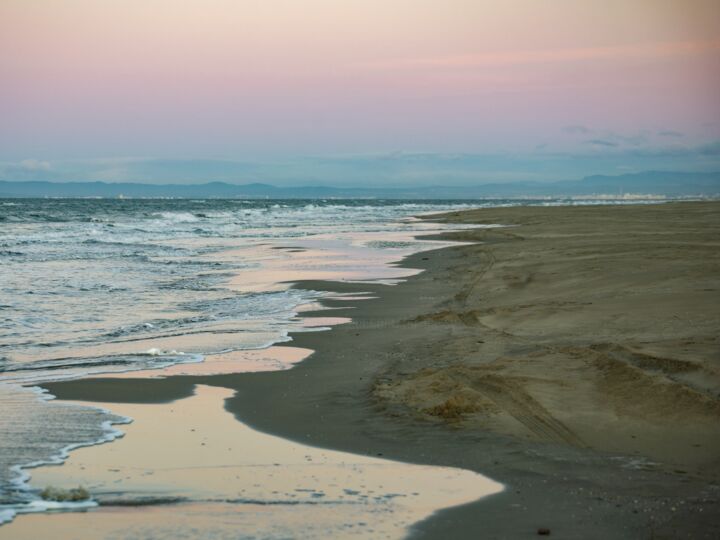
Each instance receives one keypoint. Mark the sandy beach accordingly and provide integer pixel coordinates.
(572, 355)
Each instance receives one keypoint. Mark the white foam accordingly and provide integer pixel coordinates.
(179, 217)
(7, 515)
(110, 433)
(168, 358)
(154, 351)
(29, 501)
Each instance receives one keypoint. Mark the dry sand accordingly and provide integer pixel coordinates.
(573, 356)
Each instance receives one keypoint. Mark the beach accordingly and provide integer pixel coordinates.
(571, 355)
(360, 270)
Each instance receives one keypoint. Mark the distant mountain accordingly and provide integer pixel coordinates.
(668, 184)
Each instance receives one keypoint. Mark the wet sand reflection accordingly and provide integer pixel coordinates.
(232, 478)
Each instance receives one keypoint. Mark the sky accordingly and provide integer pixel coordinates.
(392, 92)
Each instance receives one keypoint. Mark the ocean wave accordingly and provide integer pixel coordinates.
(178, 217)
(9, 513)
(62, 369)
(36, 432)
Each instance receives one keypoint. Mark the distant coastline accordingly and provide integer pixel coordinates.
(650, 185)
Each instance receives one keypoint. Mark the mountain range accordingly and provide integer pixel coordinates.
(664, 184)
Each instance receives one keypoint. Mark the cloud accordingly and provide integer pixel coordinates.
(602, 142)
(710, 149)
(670, 133)
(34, 165)
(577, 130)
(612, 139)
(27, 169)
(609, 138)
(691, 152)
(602, 153)
(633, 140)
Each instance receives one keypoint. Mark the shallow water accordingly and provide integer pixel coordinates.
(194, 451)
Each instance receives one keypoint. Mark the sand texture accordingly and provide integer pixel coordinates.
(590, 327)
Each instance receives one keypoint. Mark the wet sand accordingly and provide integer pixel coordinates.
(573, 356)
(189, 468)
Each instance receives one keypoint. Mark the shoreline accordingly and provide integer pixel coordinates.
(181, 457)
(349, 394)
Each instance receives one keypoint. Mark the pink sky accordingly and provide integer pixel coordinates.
(242, 78)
